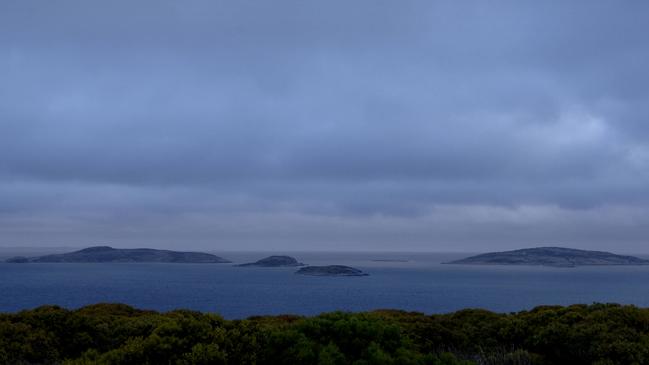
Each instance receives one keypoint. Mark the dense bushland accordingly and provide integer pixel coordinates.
(118, 334)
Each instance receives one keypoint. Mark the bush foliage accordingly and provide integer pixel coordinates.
(118, 334)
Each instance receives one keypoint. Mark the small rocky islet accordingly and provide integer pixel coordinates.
(288, 261)
(330, 270)
(274, 261)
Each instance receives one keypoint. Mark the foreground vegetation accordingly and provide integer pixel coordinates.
(601, 334)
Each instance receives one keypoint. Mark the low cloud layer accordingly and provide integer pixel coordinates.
(339, 125)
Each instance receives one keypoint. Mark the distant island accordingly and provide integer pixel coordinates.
(551, 256)
(100, 254)
(17, 260)
(275, 261)
(331, 270)
(390, 260)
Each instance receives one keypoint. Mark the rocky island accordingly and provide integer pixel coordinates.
(331, 270)
(275, 261)
(108, 254)
(551, 256)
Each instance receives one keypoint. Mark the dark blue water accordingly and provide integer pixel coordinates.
(420, 284)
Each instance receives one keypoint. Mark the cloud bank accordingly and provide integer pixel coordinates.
(333, 125)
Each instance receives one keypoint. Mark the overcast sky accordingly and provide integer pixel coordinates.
(325, 125)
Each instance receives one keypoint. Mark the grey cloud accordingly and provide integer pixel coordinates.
(332, 112)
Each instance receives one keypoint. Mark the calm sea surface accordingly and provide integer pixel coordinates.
(421, 284)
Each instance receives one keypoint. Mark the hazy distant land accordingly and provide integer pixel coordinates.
(100, 254)
(551, 256)
(390, 260)
(104, 254)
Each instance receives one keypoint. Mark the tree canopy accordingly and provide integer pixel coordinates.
(118, 334)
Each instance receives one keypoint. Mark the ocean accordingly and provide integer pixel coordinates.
(419, 283)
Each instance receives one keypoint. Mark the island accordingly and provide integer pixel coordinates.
(102, 254)
(551, 256)
(17, 260)
(275, 261)
(390, 260)
(331, 270)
